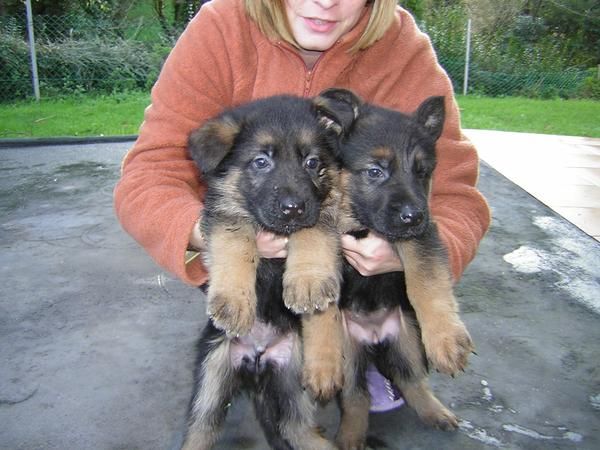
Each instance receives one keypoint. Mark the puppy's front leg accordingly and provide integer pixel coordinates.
(445, 338)
(232, 258)
(312, 270)
(322, 339)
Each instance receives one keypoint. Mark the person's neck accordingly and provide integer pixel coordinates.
(310, 57)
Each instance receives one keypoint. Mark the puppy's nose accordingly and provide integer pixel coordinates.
(291, 207)
(411, 216)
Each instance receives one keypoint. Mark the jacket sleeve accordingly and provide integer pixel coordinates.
(159, 196)
(460, 210)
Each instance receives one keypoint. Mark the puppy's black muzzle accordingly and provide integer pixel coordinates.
(411, 216)
(292, 207)
(405, 222)
(287, 213)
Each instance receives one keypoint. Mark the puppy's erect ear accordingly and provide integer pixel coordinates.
(338, 109)
(210, 144)
(431, 114)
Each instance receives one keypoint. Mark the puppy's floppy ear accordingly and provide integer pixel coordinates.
(338, 109)
(431, 114)
(210, 144)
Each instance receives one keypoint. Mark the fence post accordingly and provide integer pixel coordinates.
(34, 70)
(467, 58)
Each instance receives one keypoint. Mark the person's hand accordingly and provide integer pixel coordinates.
(196, 238)
(371, 255)
(271, 245)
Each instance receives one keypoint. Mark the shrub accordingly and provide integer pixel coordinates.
(590, 88)
(71, 66)
(94, 65)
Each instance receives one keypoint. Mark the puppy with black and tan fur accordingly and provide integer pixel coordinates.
(274, 325)
(401, 322)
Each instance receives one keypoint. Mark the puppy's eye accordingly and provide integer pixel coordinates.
(312, 163)
(261, 163)
(375, 172)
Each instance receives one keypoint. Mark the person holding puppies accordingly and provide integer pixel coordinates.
(235, 51)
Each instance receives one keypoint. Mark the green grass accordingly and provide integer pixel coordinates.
(121, 114)
(111, 115)
(566, 117)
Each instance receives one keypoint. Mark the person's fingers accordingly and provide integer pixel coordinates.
(280, 254)
(353, 262)
(350, 244)
(371, 255)
(270, 245)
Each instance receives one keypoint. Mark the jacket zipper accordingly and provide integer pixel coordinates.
(308, 73)
(308, 79)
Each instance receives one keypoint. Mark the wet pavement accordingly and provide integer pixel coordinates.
(97, 342)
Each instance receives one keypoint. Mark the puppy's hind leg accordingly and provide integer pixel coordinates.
(215, 386)
(352, 434)
(430, 410)
(354, 399)
(286, 411)
(404, 362)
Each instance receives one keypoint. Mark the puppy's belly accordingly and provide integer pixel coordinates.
(263, 344)
(373, 327)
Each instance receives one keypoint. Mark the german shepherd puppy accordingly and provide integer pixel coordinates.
(269, 164)
(400, 322)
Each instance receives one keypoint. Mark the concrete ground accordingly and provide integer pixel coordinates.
(97, 342)
(563, 172)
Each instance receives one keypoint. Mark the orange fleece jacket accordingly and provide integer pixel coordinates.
(222, 60)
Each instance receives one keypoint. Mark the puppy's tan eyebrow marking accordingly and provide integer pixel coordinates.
(306, 136)
(382, 153)
(264, 138)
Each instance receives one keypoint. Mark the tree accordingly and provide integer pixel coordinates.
(565, 29)
(489, 16)
(577, 21)
(113, 10)
(182, 13)
(416, 7)
(41, 7)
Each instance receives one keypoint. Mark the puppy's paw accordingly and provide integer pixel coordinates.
(347, 440)
(307, 292)
(323, 376)
(448, 345)
(233, 314)
(442, 419)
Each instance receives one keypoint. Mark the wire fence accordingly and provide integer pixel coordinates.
(477, 66)
(525, 82)
(77, 54)
(74, 54)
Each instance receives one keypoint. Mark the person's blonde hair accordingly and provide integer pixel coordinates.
(271, 18)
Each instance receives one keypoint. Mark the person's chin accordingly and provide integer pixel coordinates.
(319, 44)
